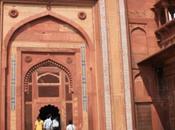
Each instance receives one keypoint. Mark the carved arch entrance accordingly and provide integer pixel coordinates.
(47, 83)
(25, 56)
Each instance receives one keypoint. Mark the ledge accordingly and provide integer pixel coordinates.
(52, 2)
(159, 58)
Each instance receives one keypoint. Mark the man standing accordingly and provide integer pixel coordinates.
(70, 126)
(55, 124)
(48, 123)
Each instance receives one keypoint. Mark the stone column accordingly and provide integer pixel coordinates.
(126, 64)
(104, 42)
(116, 64)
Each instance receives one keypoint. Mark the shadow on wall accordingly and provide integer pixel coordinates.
(50, 110)
(154, 83)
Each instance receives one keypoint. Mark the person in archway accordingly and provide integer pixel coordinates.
(55, 124)
(39, 124)
(48, 123)
(70, 125)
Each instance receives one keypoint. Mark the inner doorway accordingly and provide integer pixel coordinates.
(48, 87)
(50, 110)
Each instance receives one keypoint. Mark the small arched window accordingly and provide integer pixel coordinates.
(48, 85)
(48, 78)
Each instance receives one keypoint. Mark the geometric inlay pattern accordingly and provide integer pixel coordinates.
(45, 63)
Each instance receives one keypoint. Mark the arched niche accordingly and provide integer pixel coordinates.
(139, 41)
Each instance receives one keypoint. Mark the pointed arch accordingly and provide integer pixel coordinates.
(15, 28)
(46, 63)
(42, 75)
(138, 28)
(139, 45)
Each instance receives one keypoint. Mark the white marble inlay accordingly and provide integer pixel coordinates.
(13, 82)
(104, 43)
(126, 71)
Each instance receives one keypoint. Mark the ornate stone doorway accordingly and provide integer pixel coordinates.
(47, 66)
(49, 82)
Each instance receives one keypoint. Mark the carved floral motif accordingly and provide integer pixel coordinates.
(69, 60)
(28, 59)
(13, 13)
(82, 15)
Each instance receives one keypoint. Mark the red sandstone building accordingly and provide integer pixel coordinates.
(105, 64)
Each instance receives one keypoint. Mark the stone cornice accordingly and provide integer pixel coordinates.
(52, 2)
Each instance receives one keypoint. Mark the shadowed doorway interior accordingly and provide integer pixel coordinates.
(50, 110)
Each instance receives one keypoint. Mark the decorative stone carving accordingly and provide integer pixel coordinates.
(82, 15)
(13, 13)
(28, 59)
(69, 60)
(47, 62)
(134, 26)
(48, 6)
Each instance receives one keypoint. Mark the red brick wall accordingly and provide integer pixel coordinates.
(143, 43)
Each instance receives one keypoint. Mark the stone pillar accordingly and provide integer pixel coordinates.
(126, 64)
(118, 65)
(104, 42)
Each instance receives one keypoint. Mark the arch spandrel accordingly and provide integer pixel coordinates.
(7, 42)
(48, 29)
(30, 19)
(47, 62)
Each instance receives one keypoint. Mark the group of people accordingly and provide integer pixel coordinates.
(48, 124)
(51, 124)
